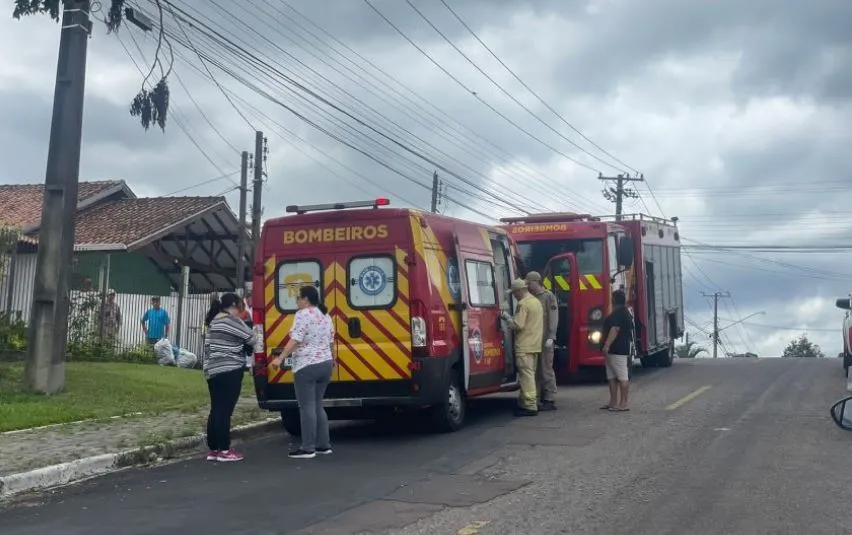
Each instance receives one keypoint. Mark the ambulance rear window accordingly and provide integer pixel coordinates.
(372, 282)
(291, 277)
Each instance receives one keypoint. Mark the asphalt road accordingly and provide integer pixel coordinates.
(710, 447)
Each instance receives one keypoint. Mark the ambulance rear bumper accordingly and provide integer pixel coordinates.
(426, 387)
(281, 404)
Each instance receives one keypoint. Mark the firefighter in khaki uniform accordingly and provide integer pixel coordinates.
(528, 327)
(545, 374)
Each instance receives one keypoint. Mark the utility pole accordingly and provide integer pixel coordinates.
(619, 193)
(257, 191)
(716, 297)
(436, 193)
(241, 237)
(48, 332)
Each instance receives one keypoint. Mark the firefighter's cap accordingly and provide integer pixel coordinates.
(533, 276)
(518, 284)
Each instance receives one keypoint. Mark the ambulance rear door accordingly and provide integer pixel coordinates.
(292, 273)
(371, 298)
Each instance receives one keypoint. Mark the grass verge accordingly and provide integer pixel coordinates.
(101, 390)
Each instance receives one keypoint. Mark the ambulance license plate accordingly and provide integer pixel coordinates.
(288, 362)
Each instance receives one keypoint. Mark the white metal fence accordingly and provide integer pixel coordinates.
(16, 292)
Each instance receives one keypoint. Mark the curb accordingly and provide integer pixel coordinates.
(80, 469)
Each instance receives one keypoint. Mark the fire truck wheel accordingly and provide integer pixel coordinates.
(448, 416)
(291, 422)
(666, 358)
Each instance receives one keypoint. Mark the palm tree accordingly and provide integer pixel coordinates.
(689, 350)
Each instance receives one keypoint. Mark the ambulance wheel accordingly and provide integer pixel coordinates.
(448, 416)
(291, 422)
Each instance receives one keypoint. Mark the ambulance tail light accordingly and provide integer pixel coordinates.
(259, 345)
(419, 329)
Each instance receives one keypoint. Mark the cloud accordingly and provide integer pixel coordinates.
(738, 114)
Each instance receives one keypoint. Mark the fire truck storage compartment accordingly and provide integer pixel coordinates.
(663, 316)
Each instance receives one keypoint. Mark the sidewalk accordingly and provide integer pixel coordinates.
(26, 450)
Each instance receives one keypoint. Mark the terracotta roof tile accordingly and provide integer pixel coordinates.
(20, 204)
(129, 220)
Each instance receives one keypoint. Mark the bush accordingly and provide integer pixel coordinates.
(13, 332)
(97, 352)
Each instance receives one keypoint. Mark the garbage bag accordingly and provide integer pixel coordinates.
(186, 359)
(163, 352)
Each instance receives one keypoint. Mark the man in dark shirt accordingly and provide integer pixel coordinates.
(618, 339)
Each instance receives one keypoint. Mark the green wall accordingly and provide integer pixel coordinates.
(130, 273)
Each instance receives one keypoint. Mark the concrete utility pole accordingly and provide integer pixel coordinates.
(48, 332)
(618, 193)
(716, 329)
(436, 193)
(257, 191)
(241, 237)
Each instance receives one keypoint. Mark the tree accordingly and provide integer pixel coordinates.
(150, 105)
(689, 350)
(801, 347)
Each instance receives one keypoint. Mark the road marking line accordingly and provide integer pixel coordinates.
(687, 398)
(472, 528)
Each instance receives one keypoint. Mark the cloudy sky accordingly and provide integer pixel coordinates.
(737, 113)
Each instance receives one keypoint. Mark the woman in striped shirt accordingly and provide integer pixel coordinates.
(224, 363)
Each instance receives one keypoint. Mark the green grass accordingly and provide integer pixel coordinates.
(101, 390)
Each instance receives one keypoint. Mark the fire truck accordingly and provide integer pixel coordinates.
(583, 259)
(416, 300)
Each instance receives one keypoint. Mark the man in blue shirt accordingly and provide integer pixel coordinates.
(155, 322)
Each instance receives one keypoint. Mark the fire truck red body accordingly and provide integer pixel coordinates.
(584, 259)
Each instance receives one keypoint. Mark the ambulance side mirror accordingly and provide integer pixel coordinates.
(844, 303)
(624, 252)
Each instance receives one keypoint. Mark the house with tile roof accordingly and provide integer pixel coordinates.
(142, 243)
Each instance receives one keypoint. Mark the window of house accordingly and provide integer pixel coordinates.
(290, 279)
(480, 283)
(372, 282)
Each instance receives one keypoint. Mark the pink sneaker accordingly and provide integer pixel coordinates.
(212, 455)
(229, 456)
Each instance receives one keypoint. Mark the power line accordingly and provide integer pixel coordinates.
(393, 123)
(504, 91)
(790, 328)
(325, 154)
(312, 93)
(462, 134)
(790, 248)
(536, 95)
(472, 92)
(176, 115)
(204, 183)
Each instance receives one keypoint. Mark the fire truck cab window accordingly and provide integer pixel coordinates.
(589, 253)
(291, 277)
(372, 282)
(480, 283)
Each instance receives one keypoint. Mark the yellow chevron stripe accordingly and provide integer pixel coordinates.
(487, 240)
(269, 290)
(401, 264)
(564, 285)
(593, 281)
(433, 254)
(369, 328)
(365, 350)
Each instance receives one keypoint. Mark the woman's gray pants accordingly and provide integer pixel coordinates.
(311, 382)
